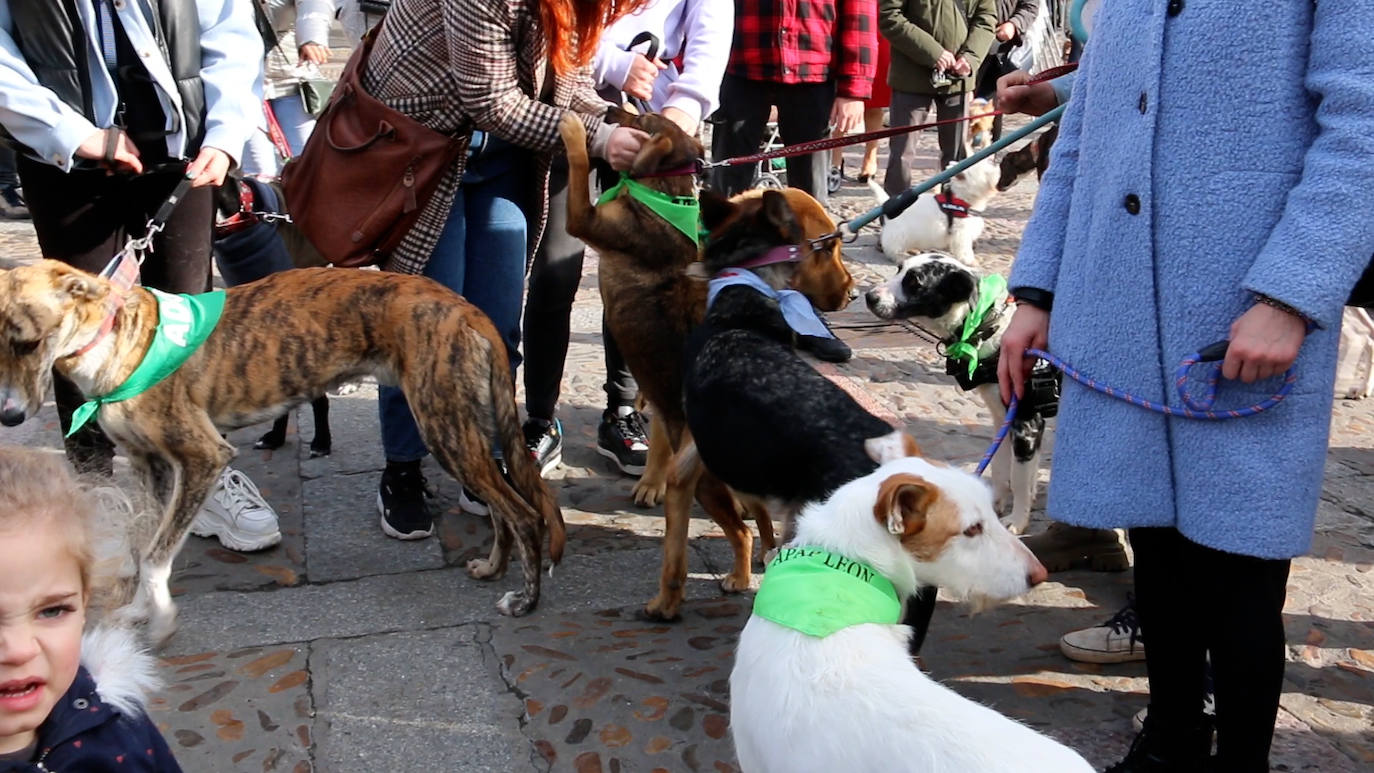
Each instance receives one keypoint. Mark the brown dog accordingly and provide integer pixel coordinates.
(280, 341)
(651, 304)
(1034, 155)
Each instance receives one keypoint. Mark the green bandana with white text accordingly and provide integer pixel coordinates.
(183, 324)
(991, 289)
(818, 593)
(682, 212)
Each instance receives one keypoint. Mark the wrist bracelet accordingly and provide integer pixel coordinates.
(1280, 305)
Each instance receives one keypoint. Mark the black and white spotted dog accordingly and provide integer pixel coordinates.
(937, 292)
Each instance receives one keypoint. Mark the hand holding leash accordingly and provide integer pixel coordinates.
(113, 149)
(1264, 342)
(208, 168)
(1029, 329)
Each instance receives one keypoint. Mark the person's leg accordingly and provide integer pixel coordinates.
(903, 112)
(740, 122)
(554, 277)
(1244, 633)
(11, 203)
(180, 259)
(296, 124)
(873, 121)
(953, 136)
(803, 116)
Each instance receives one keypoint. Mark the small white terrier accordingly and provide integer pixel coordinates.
(934, 223)
(853, 699)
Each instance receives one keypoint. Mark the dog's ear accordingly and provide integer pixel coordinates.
(894, 445)
(715, 209)
(903, 500)
(620, 116)
(81, 286)
(956, 286)
(779, 213)
(651, 155)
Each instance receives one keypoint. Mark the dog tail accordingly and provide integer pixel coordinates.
(523, 472)
(879, 195)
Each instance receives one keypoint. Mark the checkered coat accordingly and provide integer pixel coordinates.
(460, 65)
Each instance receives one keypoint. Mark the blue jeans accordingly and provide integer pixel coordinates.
(481, 256)
(261, 156)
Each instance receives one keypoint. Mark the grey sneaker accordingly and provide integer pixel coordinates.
(1119, 640)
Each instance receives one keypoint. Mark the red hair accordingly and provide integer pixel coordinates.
(573, 28)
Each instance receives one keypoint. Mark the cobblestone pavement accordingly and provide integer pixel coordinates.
(343, 650)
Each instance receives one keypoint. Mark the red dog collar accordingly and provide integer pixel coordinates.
(241, 219)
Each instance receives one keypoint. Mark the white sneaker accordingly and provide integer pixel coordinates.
(1118, 640)
(237, 515)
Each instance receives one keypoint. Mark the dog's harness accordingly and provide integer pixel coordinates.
(681, 212)
(955, 207)
(817, 592)
(183, 324)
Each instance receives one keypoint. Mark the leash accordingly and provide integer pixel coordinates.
(1201, 410)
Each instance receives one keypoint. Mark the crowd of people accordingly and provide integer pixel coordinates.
(109, 104)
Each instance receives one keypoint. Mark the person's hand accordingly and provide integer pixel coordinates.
(946, 62)
(1264, 343)
(314, 53)
(846, 114)
(1014, 95)
(125, 154)
(640, 82)
(687, 123)
(1029, 329)
(623, 146)
(962, 68)
(1006, 31)
(208, 168)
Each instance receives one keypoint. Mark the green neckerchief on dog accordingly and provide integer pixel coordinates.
(682, 212)
(818, 592)
(183, 324)
(991, 289)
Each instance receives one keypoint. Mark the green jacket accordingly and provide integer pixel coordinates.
(920, 30)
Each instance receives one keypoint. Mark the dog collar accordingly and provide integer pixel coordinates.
(818, 593)
(183, 324)
(955, 207)
(786, 253)
(681, 212)
(991, 289)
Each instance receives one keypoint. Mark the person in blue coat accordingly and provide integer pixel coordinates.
(1181, 207)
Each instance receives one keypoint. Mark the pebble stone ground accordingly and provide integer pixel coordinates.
(343, 650)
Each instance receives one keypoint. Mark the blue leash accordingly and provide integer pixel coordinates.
(1193, 408)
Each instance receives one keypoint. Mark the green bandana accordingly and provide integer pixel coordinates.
(681, 212)
(991, 289)
(818, 593)
(183, 324)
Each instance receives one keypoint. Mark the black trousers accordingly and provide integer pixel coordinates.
(83, 218)
(554, 277)
(803, 115)
(1193, 601)
(908, 109)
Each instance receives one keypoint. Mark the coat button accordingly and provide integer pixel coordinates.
(1175, 7)
(1144, 103)
(1132, 204)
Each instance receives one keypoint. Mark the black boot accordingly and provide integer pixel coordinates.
(1168, 748)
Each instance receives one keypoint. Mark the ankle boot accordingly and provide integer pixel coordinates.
(1164, 747)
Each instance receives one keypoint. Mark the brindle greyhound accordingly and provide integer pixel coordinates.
(652, 302)
(280, 341)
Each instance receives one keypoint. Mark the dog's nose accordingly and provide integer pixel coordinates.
(11, 415)
(871, 297)
(1038, 574)
(853, 293)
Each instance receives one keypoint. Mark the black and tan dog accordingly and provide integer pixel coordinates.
(651, 304)
(280, 342)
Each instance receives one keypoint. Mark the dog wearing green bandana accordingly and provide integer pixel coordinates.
(165, 375)
(822, 679)
(967, 311)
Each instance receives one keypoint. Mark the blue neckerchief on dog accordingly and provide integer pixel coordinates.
(796, 308)
(818, 593)
(183, 324)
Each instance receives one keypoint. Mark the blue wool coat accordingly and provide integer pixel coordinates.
(1190, 173)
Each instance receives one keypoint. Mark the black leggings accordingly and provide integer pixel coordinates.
(1194, 600)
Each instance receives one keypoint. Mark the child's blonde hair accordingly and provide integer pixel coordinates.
(40, 487)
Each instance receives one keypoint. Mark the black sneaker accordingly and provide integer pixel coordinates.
(401, 501)
(544, 439)
(622, 439)
(12, 204)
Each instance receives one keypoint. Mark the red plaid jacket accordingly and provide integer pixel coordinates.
(807, 41)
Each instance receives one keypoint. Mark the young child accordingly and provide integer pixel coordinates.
(68, 702)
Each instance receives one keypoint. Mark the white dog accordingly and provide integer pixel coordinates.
(937, 291)
(951, 221)
(854, 699)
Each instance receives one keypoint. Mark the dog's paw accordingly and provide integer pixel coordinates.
(161, 625)
(482, 569)
(1016, 525)
(318, 448)
(735, 582)
(271, 441)
(346, 388)
(648, 493)
(514, 604)
(573, 132)
(664, 608)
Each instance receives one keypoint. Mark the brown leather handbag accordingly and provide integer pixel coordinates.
(365, 173)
